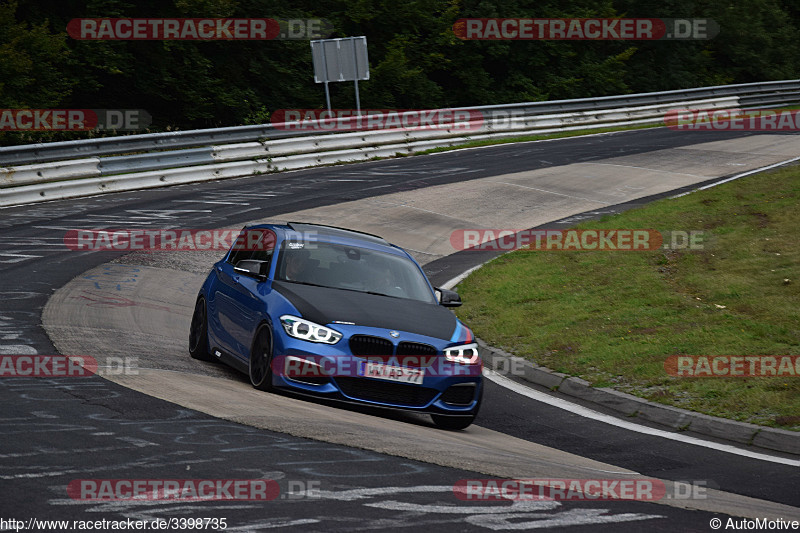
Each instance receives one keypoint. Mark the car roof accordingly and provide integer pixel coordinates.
(335, 234)
(333, 231)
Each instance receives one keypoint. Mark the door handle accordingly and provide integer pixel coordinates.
(236, 279)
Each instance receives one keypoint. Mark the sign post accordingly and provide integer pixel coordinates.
(340, 60)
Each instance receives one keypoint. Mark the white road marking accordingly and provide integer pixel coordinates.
(17, 349)
(59, 228)
(139, 443)
(207, 202)
(537, 513)
(421, 252)
(524, 506)
(17, 258)
(364, 493)
(737, 176)
(624, 424)
(458, 279)
(408, 206)
(50, 451)
(643, 168)
(572, 517)
(274, 523)
(556, 193)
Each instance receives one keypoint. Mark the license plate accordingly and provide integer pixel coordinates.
(400, 374)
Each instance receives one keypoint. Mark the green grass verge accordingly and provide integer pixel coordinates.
(613, 318)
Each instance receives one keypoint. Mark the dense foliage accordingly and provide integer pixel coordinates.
(416, 60)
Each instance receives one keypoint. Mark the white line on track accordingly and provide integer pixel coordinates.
(624, 424)
(195, 202)
(737, 176)
(641, 168)
(556, 193)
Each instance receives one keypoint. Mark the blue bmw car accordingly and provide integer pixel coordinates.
(338, 314)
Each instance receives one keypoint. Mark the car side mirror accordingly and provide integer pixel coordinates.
(449, 298)
(253, 268)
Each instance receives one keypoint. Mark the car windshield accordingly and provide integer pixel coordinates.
(352, 268)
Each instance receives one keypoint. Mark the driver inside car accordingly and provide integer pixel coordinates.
(297, 266)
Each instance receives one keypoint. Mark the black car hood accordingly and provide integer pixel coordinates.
(323, 306)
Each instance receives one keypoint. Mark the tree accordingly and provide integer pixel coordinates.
(31, 60)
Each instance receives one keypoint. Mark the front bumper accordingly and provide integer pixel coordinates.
(333, 372)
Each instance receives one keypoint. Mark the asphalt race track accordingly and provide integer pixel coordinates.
(339, 468)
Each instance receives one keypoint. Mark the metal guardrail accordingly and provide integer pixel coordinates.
(72, 177)
(123, 164)
(57, 151)
(769, 99)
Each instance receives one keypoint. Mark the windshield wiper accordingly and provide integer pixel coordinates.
(378, 294)
(343, 289)
(306, 283)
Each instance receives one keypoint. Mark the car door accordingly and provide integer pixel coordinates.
(240, 304)
(225, 306)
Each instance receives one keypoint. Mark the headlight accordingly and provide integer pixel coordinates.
(466, 354)
(309, 331)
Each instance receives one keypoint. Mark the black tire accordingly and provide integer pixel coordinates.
(452, 422)
(198, 332)
(260, 367)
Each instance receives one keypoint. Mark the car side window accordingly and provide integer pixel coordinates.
(238, 255)
(258, 248)
(262, 255)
